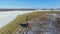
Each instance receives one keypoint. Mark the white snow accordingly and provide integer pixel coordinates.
(8, 16)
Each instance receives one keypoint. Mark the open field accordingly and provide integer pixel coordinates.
(13, 26)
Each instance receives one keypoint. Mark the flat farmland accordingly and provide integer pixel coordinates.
(13, 26)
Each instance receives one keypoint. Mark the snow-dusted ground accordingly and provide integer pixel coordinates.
(45, 26)
(6, 17)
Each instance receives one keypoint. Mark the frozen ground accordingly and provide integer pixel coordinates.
(46, 24)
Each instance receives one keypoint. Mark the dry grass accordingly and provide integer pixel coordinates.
(12, 27)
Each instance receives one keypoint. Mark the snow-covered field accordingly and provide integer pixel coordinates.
(8, 16)
(45, 26)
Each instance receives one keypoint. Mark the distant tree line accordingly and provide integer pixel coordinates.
(16, 9)
(26, 9)
(51, 9)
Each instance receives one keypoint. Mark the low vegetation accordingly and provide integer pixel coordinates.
(13, 26)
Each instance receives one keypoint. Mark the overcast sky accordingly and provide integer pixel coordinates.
(29, 3)
(6, 17)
